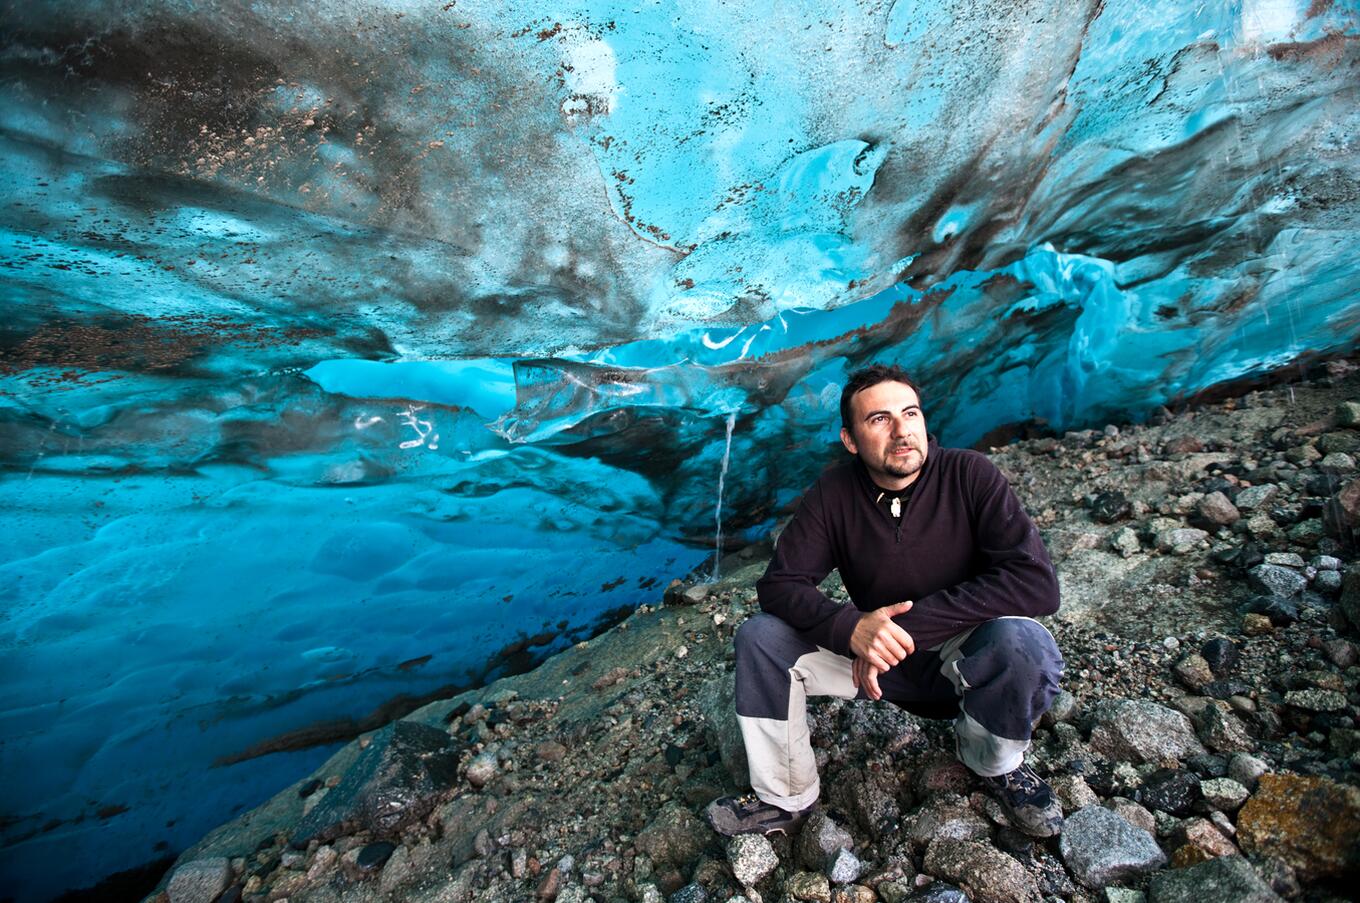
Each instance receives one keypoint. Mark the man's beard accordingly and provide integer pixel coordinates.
(904, 467)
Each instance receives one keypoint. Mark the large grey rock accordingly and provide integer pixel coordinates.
(200, 881)
(985, 873)
(1276, 580)
(819, 840)
(675, 836)
(1100, 848)
(1141, 731)
(751, 857)
(717, 702)
(393, 784)
(1222, 878)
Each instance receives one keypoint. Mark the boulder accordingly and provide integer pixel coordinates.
(1223, 731)
(1141, 731)
(946, 817)
(1198, 840)
(717, 702)
(1173, 791)
(1221, 654)
(1100, 848)
(1217, 509)
(1223, 878)
(199, 881)
(674, 837)
(1276, 580)
(985, 873)
(1311, 823)
(392, 784)
(819, 840)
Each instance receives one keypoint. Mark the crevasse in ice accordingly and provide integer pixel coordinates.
(355, 354)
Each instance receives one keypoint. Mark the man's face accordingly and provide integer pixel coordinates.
(888, 433)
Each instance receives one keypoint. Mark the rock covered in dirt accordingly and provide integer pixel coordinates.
(985, 873)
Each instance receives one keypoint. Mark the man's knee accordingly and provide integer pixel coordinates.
(1025, 645)
(762, 632)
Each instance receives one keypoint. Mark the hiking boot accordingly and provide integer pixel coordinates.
(748, 814)
(1029, 802)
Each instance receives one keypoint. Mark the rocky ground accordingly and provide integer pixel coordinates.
(1205, 745)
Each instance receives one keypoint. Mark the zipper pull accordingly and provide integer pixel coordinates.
(899, 534)
(896, 507)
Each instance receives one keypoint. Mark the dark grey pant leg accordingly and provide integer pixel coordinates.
(1007, 673)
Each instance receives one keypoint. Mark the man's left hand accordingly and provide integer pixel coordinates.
(865, 676)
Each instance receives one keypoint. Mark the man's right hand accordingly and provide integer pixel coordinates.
(879, 641)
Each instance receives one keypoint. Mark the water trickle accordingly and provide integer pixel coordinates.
(722, 477)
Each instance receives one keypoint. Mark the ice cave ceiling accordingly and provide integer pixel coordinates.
(321, 319)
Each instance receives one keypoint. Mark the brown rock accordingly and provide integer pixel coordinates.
(1199, 841)
(1311, 823)
(1217, 509)
(550, 886)
(1254, 624)
(1133, 813)
(853, 893)
(550, 751)
(1184, 445)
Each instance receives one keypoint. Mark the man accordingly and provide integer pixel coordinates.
(946, 573)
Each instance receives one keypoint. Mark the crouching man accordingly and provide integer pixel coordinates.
(946, 573)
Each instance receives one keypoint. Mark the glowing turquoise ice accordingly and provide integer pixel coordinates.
(335, 340)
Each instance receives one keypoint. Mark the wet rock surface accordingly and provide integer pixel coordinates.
(393, 784)
(1205, 744)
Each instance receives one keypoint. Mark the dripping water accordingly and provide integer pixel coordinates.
(722, 478)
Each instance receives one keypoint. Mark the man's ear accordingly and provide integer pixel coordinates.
(848, 441)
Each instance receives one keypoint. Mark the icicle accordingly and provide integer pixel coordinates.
(722, 477)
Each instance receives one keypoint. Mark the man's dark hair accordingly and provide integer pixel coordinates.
(871, 376)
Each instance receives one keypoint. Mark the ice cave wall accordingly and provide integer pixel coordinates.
(348, 345)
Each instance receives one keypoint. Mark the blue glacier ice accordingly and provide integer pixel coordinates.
(355, 354)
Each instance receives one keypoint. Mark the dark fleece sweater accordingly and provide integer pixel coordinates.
(965, 552)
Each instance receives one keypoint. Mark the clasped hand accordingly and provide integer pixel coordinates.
(878, 644)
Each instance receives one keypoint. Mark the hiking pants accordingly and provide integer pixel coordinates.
(994, 679)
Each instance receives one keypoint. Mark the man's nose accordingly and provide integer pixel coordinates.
(899, 426)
